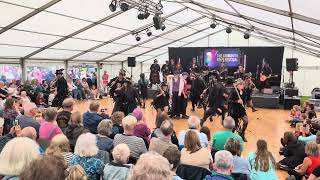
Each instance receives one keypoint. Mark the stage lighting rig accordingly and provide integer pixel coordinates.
(140, 15)
(146, 13)
(113, 6)
(138, 38)
(163, 27)
(214, 23)
(124, 6)
(149, 33)
(246, 35)
(228, 30)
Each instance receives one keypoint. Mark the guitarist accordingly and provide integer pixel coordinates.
(265, 74)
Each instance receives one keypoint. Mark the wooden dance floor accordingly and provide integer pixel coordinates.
(268, 124)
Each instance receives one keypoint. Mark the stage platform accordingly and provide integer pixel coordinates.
(270, 101)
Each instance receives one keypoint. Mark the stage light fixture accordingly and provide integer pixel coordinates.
(146, 14)
(124, 6)
(138, 38)
(141, 16)
(149, 33)
(163, 27)
(228, 30)
(213, 25)
(113, 6)
(246, 35)
(157, 21)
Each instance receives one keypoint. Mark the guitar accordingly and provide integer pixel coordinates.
(264, 77)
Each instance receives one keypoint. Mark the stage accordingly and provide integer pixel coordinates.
(268, 124)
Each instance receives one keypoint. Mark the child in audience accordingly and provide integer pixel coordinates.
(302, 119)
(51, 97)
(40, 100)
(295, 113)
(95, 92)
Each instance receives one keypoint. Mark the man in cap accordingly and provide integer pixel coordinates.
(62, 89)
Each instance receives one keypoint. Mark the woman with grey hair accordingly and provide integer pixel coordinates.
(118, 168)
(104, 142)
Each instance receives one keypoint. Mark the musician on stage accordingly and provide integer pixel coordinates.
(249, 86)
(265, 74)
(172, 66)
(154, 75)
(179, 68)
(165, 69)
(223, 70)
(117, 80)
(240, 73)
(62, 89)
(194, 66)
(216, 100)
(197, 87)
(236, 107)
(205, 67)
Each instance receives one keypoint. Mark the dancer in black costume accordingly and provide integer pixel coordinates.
(161, 99)
(62, 89)
(236, 107)
(154, 74)
(143, 88)
(115, 81)
(197, 87)
(131, 98)
(249, 86)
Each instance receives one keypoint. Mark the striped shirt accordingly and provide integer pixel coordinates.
(136, 144)
(67, 157)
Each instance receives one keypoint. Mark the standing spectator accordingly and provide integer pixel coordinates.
(136, 144)
(64, 116)
(85, 150)
(195, 155)
(104, 143)
(95, 92)
(49, 128)
(151, 166)
(28, 118)
(117, 127)
(16, 155)
(223, 166)
(118, 168)
(75, 129)
(162, 143)
(105, 79)
(240, 165)
(86, 88)
(24, 98)
(141, 129)
(91, 119)
(60, 143)
(262, 163)
(79, 93)
(10, 113)
(173, 155)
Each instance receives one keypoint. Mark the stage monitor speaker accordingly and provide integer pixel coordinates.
(289, 102)
(291, 92)
(292, 64)
(131, 62)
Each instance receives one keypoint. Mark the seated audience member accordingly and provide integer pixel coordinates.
(240, 165)
(194, 125)
(141, 129)
(16, 155)
(293, 151)
(206, 131)
(64, 116)
(310, 112)
(47, 167)
(95, 92)
(75, 129)
(28, 118)
(40, 101)
(76, 173)
(162, 116)
(295, 113)
(315, 174)
(305, 134)
(85, 150)
(262, 163)
(116, 119)
(302, 119)
(60, 143)
(136, 144)
(220, 138)
(309, 163)
(1, 126)
(151, 166)
(118, 168)
(10, 113)
(3, 90)
(48, 128)
(24, 98)
(51, 97)
(160, 144)
(173, 155)
(223, 166)
(92, 118)
(194, 154)
(104, 130)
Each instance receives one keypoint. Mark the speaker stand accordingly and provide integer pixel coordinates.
(131, 74)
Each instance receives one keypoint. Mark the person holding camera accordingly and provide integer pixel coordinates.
(92, 118)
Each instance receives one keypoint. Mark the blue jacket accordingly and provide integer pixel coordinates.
(218, 176)
(91, 121)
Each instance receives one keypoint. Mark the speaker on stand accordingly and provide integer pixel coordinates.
(131, 63)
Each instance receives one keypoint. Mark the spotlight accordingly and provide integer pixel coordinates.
(138, 38)
(149, 33)
(163, 27)
(146, 14)
(213, 25)
(124, 6)
(113, 6)
(157, 20)
(141, 16)
(246, 35)
(228, 30)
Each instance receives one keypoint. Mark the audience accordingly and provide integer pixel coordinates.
(173, 155)
(118, 168)
(315, 174)
(220, 138)
(49, 128)
(104, 130)
(141, 129)
(60, 144)
(194, 125)
(76, 173)
(64, 116)
(151, 166)
(16, 155)
(262, 163)
(28, 118)
(205, 130)
(222, 166)
(194, 154)
(75, 129)
(92, 118)
(135, 144)
(85, 150)
(116, 119)
(10, 113)
(162, 143)
(240, 165)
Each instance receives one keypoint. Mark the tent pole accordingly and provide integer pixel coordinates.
(98, 74)
(23, 69)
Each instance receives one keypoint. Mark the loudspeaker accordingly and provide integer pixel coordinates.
(291, 92)
(292, 64)
(131, 62)
(289, 102)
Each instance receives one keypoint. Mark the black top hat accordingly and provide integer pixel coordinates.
(59, 71)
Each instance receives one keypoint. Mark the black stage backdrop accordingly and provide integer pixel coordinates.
(252, 57)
